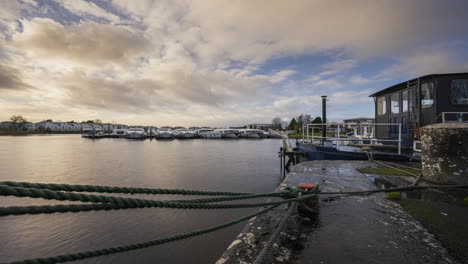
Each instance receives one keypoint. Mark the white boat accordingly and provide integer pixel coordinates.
(251, 133)
(185, 134)
(119, 133)
(228, 133)
(209, 133)
(136, 133)
(165, 133)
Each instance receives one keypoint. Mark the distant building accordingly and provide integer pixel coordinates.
(8, 125)
(261, 126)
(361, 126)
(359, 120)
(28, 126)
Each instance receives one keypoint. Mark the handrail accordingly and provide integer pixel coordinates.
(338, 138)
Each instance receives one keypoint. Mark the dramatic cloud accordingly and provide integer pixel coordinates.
(11, 79)
(86, 42)
(82, 8)
(218, 62)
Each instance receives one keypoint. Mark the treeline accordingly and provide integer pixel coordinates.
(296, 123)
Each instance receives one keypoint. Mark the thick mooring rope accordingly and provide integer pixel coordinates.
(101, 202)
(110, 189)
(125, 203)
(49, 209)
(119, 249)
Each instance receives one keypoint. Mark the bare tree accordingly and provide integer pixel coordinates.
(18, 119)
(276, 122)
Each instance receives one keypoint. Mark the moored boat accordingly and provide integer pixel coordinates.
(165, 133)
(119, 133)
(228, 133)
(251, 133)
(210, 134)
(136, 133)
(185, 134)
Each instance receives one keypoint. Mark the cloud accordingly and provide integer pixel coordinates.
(89, 43)
(257, 31)
(427, 61)
(338, 66)
(11, 79)
(81, 8)
(172, 90)
(206, 60)
(98, 93)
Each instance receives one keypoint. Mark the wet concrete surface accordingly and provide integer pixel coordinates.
(348, 229)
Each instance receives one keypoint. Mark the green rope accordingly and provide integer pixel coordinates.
(121, 203)
(50, 209)
(110, 189)
(119, 249)
(101, 202)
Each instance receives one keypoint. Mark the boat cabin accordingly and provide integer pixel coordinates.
(419, 102)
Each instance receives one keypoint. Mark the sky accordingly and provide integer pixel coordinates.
(218, 63)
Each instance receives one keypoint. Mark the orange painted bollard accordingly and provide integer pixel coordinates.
(309, 207)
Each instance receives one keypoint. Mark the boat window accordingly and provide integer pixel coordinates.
(427, 95)
(459, 91)
(404, 101)
(381, 106)
(395, 103)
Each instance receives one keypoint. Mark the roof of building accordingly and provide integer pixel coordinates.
(358, 118)
(396, 86)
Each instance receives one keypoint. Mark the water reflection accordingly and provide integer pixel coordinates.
(237, 165)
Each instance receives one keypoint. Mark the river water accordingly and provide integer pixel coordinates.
(227, 165)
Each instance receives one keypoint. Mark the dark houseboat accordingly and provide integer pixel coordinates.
(419, 102)
(401, 110)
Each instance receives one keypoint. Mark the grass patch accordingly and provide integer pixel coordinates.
(394, 195)
(390, 171)
(450, 229)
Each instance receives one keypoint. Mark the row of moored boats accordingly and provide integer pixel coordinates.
(180, 133)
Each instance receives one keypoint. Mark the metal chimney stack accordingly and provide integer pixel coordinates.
(324, 116)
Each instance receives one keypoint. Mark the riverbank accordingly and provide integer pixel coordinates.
(348, 229)
(27, 133)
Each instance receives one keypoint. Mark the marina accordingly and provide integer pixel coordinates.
(233, 132)
(168, 133)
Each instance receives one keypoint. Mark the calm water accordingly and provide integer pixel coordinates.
(229, 165)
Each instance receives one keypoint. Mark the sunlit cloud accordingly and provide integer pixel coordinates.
(217, 62)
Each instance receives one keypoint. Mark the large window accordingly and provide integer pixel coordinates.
(459, 91)
(395, 103)
(405, 101)
(381, 106)
(427, 95)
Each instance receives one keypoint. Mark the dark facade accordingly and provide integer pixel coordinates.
(420, 102)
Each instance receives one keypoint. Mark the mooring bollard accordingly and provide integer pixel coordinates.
(309, 207)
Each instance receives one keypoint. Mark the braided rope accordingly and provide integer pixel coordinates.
(121, 203)
(50, 209)
(110, 189)
(119, 249)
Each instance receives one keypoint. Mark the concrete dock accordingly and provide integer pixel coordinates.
(348, 229)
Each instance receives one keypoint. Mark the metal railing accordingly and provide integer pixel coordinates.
(447, 117)
(340, 139)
